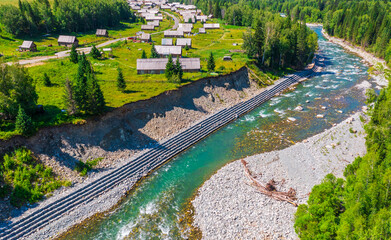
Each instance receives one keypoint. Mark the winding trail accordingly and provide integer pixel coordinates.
(142, 164)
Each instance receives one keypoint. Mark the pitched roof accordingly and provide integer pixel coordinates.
(147, 27)
(183, 42)
(185, 25)
(101, 32)
(26, 44)
(155, 23)
(159, 64)
(211, 25)
(67, 39)
(173, 33)
(145, 36)
(167, 50)
(167, 41)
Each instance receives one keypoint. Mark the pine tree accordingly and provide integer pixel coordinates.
(144, 55)
(81, 86)
(154, 53)
(178, 70)
(23, 124)
(96, 99)
(46, 80)
(73, 55)
(169, 68)
(259, 40)
(95, 53)
(121, 84)
(69, 98)
(211, 63)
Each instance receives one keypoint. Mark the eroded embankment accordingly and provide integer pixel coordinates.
(127, 130)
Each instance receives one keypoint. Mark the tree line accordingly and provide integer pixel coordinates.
(279, 42)
(362, 22)
(359, 206)
(42, 16)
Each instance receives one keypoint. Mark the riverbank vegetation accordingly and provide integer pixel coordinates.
(357, 207)
(24, 179)
(364, 23)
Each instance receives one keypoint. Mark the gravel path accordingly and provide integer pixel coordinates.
(228, 207)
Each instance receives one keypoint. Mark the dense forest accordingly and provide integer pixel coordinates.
(365, 23)
(279, 42)
(40, 16)
(358, 207)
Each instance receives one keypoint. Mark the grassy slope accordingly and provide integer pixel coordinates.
(139, 87)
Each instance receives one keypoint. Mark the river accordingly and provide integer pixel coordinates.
(155, 208)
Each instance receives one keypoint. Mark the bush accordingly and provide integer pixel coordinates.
(84, 167)
(46, 80)
(23, 123)
(25, 179)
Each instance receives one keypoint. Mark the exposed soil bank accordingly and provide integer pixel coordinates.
(228, 207)
(128, 130)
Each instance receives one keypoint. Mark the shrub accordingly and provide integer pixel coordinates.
(23, 124)
(25, 179)
(46, 80)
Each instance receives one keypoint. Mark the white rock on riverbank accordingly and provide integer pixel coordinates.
(228, 207)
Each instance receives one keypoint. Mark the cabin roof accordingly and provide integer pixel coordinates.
(101, 31)
(67, 39)
(27, 44)
(160, 63)
(183, 42)
(167, 41)
(167, 50)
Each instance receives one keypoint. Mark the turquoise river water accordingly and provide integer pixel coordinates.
(154, 208)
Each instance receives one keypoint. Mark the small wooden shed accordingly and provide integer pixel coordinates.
(68, 41)
(28, 46)
(102, 33)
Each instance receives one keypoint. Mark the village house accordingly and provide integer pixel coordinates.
(28, 46)
(201, 30)
(173, 34)
(165, 7)
(189, 18)
(185, 27)
(183, 42)
(167, 41)
(68, 41)
(153, 18)
(158, 65)
(155, 23)
(102, 33)
(165, 51)
(211, 25)
(145, 37)
(147, 27)
(134, 7)
(202, 18)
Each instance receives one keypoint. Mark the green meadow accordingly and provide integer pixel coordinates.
(224, 41)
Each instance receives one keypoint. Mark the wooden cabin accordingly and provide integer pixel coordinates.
(68, 41)
(183, 42)
(28, 46)
(102, 33)
(158, 65)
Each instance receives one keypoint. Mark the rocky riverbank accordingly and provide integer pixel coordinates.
(229, 207)
(128, 130)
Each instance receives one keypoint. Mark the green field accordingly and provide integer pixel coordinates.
(139, 87)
